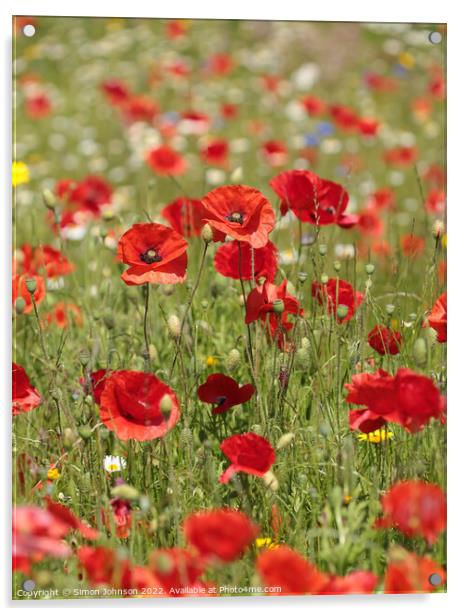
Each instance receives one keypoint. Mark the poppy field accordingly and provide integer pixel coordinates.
(229, 308)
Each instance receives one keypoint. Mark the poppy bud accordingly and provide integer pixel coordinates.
(85, 432)
(324, 279)
(207, 233)
(278, 306)
(256, 428)
(31, 285)
(166, 406)
(125, 491)
(236, 176)
(302, 276)
(205, 304)
(84, 357)
(306, 344)
(322, 250)
(167, 289)
(49, 199)
(109, 321)
(337, 266)
(69, 437)
(233, 360)
(390, 309)
(270, 481)
(174, 326)
(342, 311)
(438, 229)
(20, 305)
(302, 358)
(370, 269)
(285, 440)
(420, 351)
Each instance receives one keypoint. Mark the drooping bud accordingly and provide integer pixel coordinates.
(31, 285)
(174, 326)
(20, 305)
(342, 311)
(233, 360)
(125, 491)
(285, 440)
(207, 234)
(49, 199)
(270, 481)
(166, 406)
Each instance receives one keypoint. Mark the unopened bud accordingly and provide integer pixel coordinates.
(337, 266)
(370, 269)
(306, 344)
(174, 326)
(420, 351)
(49, 198)
(207, 234)
(125, 491)
(285, 440)
(342, 311)
(20, 305)
(270, 481)
(302, 358)
(278, 306)
(166, 405)
(324, 279)
(233, 360)
(236, 176)
(84, 357)
(31, 285)
(85, 432)
(322, 249)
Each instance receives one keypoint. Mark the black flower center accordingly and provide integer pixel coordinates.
(221, 399)
(150, 256)
(236, 217)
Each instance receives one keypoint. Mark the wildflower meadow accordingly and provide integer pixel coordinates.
(229, 308)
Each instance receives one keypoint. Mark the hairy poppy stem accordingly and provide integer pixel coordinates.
(146, 335)
(188, 307)
(249, 350)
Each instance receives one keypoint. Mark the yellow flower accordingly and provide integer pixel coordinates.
(20, 173)
(211, 361)
(266, 542)
(378, 436)
(347, 498)
(395, 324)
(406, 60)
(53, 474)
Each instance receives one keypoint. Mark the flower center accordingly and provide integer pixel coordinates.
(220, 400)
(150, 256)
(236, 217)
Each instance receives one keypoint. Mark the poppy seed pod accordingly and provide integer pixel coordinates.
(233, 360)
(20, 305)
(337, 266)
(370, 269)
(125, 491)
(342, 311)
(166, 405)
(420, 351)
(322, 250)
(324, 279)
(207, 233)
(278, 306)
(174, 326)
(302, 277)
(49, 199)
(285, 440)
(31, 285)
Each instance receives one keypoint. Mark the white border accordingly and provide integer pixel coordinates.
(329, 10)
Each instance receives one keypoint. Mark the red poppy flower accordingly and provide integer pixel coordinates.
(437, 318)
(228, 111)
(25, 397)
(139, 109)
(130, 405)
(368, 127)
(370, 223)
(176, 28)
(216, 152)
(357, 582)
(382, 199)
(63, 314)
(407, 572)
(260, 305)
(103, 566)
(220, 64)
(384, 340)
(313, 105)
(275, 153)
(380, 83)
(284, 568)
(337, 293)
(20, 290)
(176, 569)
(194, 122)
(365, 421)
(415, 508)
(116, 91)
(184, 215)
(436, 201)
(90, 195)
(34, 260)
(241, 212)
(408, 398)
(222, 534)
(37, 533)
(224, 392)
(228, 262)
(412, 245)
(312, 199)
(248, 453)
(63, 514)
(166, 161)
(345, 117)
(402, 156)
(121, 517)
(155, 254)
(38, 105)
